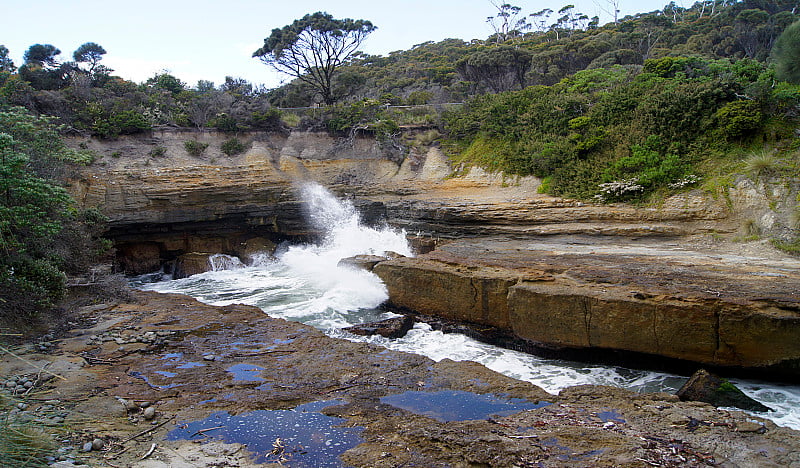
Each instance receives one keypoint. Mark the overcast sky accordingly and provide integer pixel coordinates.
(208, 40)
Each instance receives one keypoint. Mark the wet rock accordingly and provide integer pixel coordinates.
(257, 248)
(709, 388)
(191, 264)
(209, 357)
(363, 262)
(750, 426)
(389, 328)
(149, 413)
(87, 447)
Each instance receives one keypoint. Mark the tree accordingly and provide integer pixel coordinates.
(6, 64)
(313, 48)
(43, 55)
(786, 54)
(500, 67)
(90, 53)
(505, 23)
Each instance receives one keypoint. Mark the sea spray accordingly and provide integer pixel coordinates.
(304, 283)
(219, 262)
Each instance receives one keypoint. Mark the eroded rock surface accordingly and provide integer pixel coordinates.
(646, 296)
(263, 363)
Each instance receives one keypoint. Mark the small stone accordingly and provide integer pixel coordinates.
(129, 405)
(98, 444)
(22, 406)
(750, 426)
(11, 383)
(149, 413)
(209, 357)
(28, 384)
(144, 404)
(20, 389)
(87, 447)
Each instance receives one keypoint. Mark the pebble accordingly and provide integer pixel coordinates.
(750, 426)
(149, 413)
(28, 384)
(11, 384)
(87, 447)
(22, 406)
(144, 404)
(209, 357)
(98, 444)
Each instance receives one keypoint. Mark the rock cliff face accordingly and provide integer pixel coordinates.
(624, 280)
(645, 296)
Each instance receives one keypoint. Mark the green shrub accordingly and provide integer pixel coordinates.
(269, 120)
(233, 146)
(648, 165)
(157, 152)
(194, 147)
(225, 123)
(738, 119)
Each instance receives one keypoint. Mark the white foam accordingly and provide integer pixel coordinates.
(305, 283)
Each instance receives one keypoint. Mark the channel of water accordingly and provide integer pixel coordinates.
(304, 283)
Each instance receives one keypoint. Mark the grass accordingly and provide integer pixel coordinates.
(762, 163)
(790, 247)
(22, 443)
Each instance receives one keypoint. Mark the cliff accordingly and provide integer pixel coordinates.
(664, 280)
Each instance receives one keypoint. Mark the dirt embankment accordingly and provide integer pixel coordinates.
(295, 396)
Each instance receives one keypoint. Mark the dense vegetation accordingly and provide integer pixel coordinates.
(43, 237)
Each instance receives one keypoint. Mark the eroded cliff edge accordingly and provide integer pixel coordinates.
(681, 296)
(640, 295)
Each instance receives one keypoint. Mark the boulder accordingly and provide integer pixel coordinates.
(256, 247)
(390, 328)
(709, 388)
(363, 262)
(192, 264)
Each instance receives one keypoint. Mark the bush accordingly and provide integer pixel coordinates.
(194, 147)
(127, 122)
(157, 152)
(738, 119)
(233, 146)
(268, 121)
(225, 123)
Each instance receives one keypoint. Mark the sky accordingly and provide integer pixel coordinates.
(209, 40)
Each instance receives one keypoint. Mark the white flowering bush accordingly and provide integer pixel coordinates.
(691, 179)
(619, 189)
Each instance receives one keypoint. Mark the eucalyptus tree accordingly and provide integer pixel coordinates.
(313, 48)
(507, 23)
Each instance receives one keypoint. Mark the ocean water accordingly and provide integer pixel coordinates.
(304, 283)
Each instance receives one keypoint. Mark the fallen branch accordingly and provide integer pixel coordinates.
(146, 431)
(203, 431)
(32, 364)
(149, 452)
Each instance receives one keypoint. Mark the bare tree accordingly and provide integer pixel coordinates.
(611, 8)
(506, 23)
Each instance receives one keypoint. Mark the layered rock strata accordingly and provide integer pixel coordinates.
(642, 296)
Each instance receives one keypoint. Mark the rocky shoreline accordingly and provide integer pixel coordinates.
(132, 376)
(652, 296)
